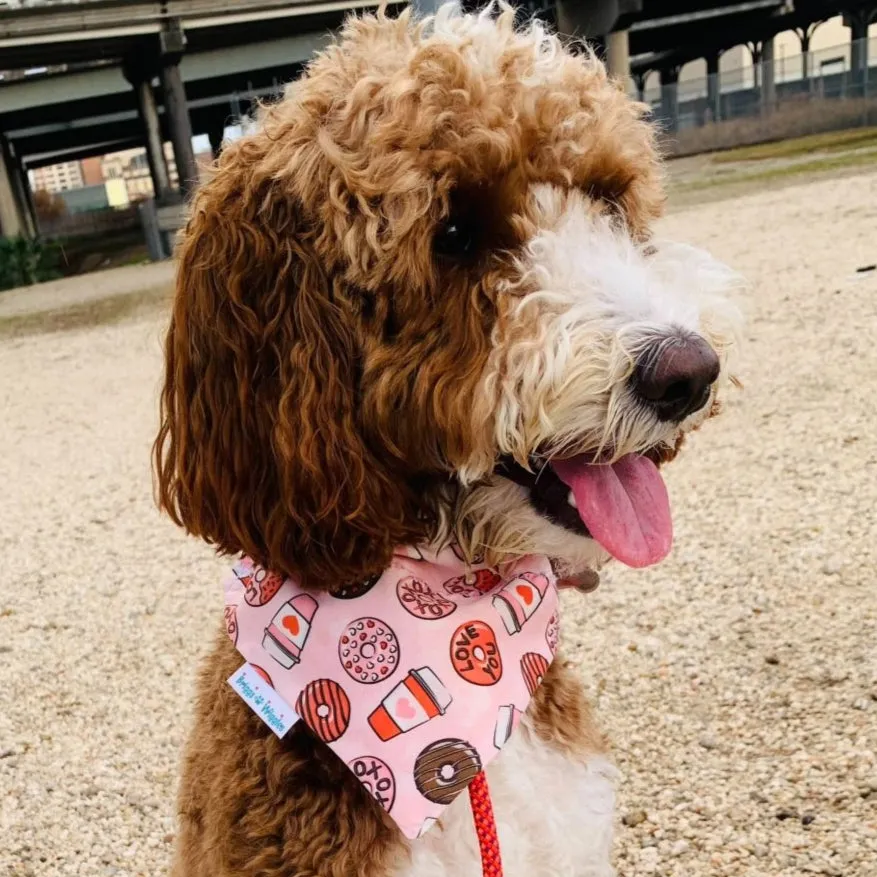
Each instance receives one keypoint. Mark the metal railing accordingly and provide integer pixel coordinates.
(805, 94)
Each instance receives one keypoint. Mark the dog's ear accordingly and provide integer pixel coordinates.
(260, 448)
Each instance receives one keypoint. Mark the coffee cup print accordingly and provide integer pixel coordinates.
(286, 635)
(427, 825)
(519, 599)
(507, 719)
(419, 697)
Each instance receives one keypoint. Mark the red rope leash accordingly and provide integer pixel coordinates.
(485, 826)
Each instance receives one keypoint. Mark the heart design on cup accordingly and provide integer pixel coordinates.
(404, 709)
(292, 625)
(525, 592)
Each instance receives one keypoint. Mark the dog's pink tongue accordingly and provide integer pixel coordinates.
(624, 505)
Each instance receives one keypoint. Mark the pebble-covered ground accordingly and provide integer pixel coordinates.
(738, 681)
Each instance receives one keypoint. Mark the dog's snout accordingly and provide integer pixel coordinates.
(674, 375)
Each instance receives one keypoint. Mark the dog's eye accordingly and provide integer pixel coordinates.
(456, 237)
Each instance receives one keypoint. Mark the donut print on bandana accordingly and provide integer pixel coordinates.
(263, 674)
(231, 623)
(260, 586)
(475, 653)
(422, 601)
(325, 708)
(358, 589)
(473, 584)
(444, 769)
(415, 679)
(368, 650)
(552, 633)
(534, 667)
(377, 777)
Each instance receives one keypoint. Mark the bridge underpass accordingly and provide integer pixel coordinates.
(187, 66)
(170, 70)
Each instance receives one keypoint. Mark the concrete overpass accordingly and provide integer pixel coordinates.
(168, 69)
(175, 67)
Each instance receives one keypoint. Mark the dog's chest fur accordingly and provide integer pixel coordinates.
(554, 817)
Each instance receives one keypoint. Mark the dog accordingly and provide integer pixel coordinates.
(421, 303)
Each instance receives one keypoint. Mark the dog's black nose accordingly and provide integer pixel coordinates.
(673, 376)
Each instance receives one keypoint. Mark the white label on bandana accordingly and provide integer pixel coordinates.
(263, 700)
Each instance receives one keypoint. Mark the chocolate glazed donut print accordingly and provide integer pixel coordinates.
(444, 769)
(357, 589)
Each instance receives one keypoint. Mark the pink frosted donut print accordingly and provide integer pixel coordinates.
(422, 601)
(377, 777)
(368, 650)
(552, 633)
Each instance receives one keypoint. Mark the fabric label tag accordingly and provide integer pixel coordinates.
(263, 700)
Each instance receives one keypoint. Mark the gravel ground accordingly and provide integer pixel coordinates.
(738, 681)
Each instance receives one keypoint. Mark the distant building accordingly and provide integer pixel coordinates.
(122, 177)
(58, 177)
(92, 171)
(132, 166)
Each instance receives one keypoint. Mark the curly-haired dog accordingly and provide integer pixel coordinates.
(422, 302)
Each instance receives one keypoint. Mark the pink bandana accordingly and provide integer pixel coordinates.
(415, 679)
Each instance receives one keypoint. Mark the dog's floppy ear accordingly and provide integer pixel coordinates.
(260, 448)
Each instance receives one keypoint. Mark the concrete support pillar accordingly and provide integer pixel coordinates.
(618, 55)
(804, 35)
(12, 222)
(140, 72)
(768, 77)
(858, 22)
(670, 98)
(755, 52)
(21, 186)
(216, 135)
(148, 111)
(639, 80)
(173, 42)
(713, 86)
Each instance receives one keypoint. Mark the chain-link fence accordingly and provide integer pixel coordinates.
(787, 97)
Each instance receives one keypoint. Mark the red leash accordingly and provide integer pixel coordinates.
(485, 826)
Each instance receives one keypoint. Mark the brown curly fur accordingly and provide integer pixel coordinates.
(321, 363)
